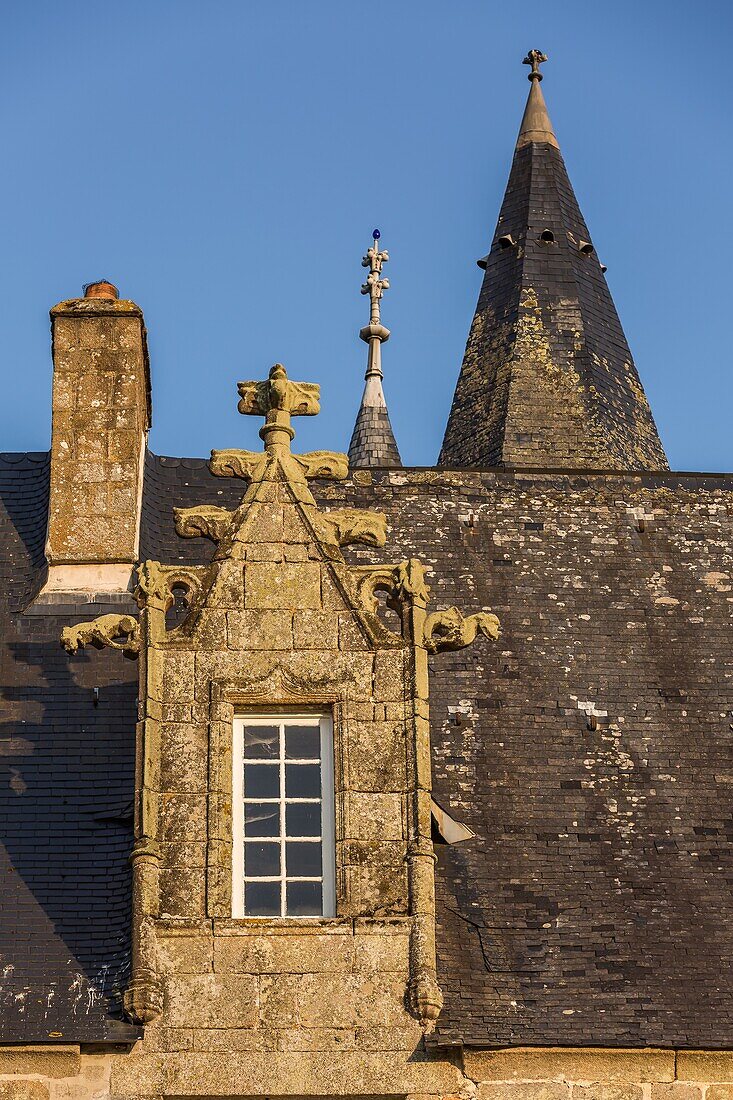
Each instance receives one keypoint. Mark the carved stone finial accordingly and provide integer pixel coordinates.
(426, 999)
(535, 58)
(143, 999)
(277, 399)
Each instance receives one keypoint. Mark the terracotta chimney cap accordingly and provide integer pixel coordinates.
(102, 288)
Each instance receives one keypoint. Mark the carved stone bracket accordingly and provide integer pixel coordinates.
(449, 629)
(116, 631)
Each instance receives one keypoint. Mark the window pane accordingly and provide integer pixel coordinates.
(303, 742)
(262, 899)
(261, 860)
(304, 899)
(303, 819)
(262, 819)
(303, 859)
(262, 741)
(261, 781)
(303, 781)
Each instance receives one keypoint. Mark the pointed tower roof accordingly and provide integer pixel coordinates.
(547, 379)
(372, 441)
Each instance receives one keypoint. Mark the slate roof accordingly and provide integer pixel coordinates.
(372, 441)
(594, 906)
(547, 377)
(66, 806)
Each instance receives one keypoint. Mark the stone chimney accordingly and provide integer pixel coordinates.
(101, 417)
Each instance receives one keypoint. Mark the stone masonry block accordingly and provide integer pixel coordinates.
(292, 585)
(680, 1090)
(599, 1090)
(382, 954)
(315, 630)
(269, 630)
(526, 1090)
(23, 1090)
(371, 816)
(292, 954)
(211, 1000)
(571, 1064)
(43, 1061)
(702, 1065)
(185, 954)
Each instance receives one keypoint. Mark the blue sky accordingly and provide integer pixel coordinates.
(224, 164)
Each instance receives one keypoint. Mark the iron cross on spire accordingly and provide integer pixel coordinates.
(535, 59)
(375, 285)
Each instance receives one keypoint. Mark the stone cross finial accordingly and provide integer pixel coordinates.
(375, 285)
(277, 400)
(535, 59)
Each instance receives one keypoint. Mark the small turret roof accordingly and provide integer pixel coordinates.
(547, 379)
(372, 441)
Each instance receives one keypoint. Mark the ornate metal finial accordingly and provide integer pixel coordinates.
(535, 59)
(375, 285)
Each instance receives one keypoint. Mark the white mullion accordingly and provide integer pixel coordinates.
(328, 871)
(283, 890)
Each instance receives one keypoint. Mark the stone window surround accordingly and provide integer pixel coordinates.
(229, 700)
(261, 716)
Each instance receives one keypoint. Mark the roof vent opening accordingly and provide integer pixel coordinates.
(507, 241)
(483, 262)
(547, 236)
(586, 248)
(604, 269)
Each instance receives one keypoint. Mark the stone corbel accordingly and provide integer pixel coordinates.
(206, 520)
(349, 525)
(116, 631)
(449, 629)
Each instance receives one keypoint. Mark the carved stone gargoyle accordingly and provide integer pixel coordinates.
(116, 631)
(449, 629)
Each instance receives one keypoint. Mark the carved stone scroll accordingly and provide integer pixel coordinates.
(445, 630)
(329, 464)
(116, 631)
(352, 525)
(235, 463)
(279, 394)
(206, 519)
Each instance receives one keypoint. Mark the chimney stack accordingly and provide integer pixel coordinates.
(101, 417)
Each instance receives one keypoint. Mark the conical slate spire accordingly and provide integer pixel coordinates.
(372, 441)
(547, 379)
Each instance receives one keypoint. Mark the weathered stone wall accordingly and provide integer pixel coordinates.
(358, 1062)
(100, 420)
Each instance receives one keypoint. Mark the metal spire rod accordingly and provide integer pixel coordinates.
(375, 333)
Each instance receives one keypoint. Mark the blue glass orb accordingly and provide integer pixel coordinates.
(376, 234)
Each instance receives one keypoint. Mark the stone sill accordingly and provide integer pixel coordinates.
(286, 926)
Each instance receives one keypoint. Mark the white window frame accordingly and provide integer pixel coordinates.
(327, 837)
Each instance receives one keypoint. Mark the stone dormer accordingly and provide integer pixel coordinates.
(283, 818)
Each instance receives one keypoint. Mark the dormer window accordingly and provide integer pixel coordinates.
(283, 816)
